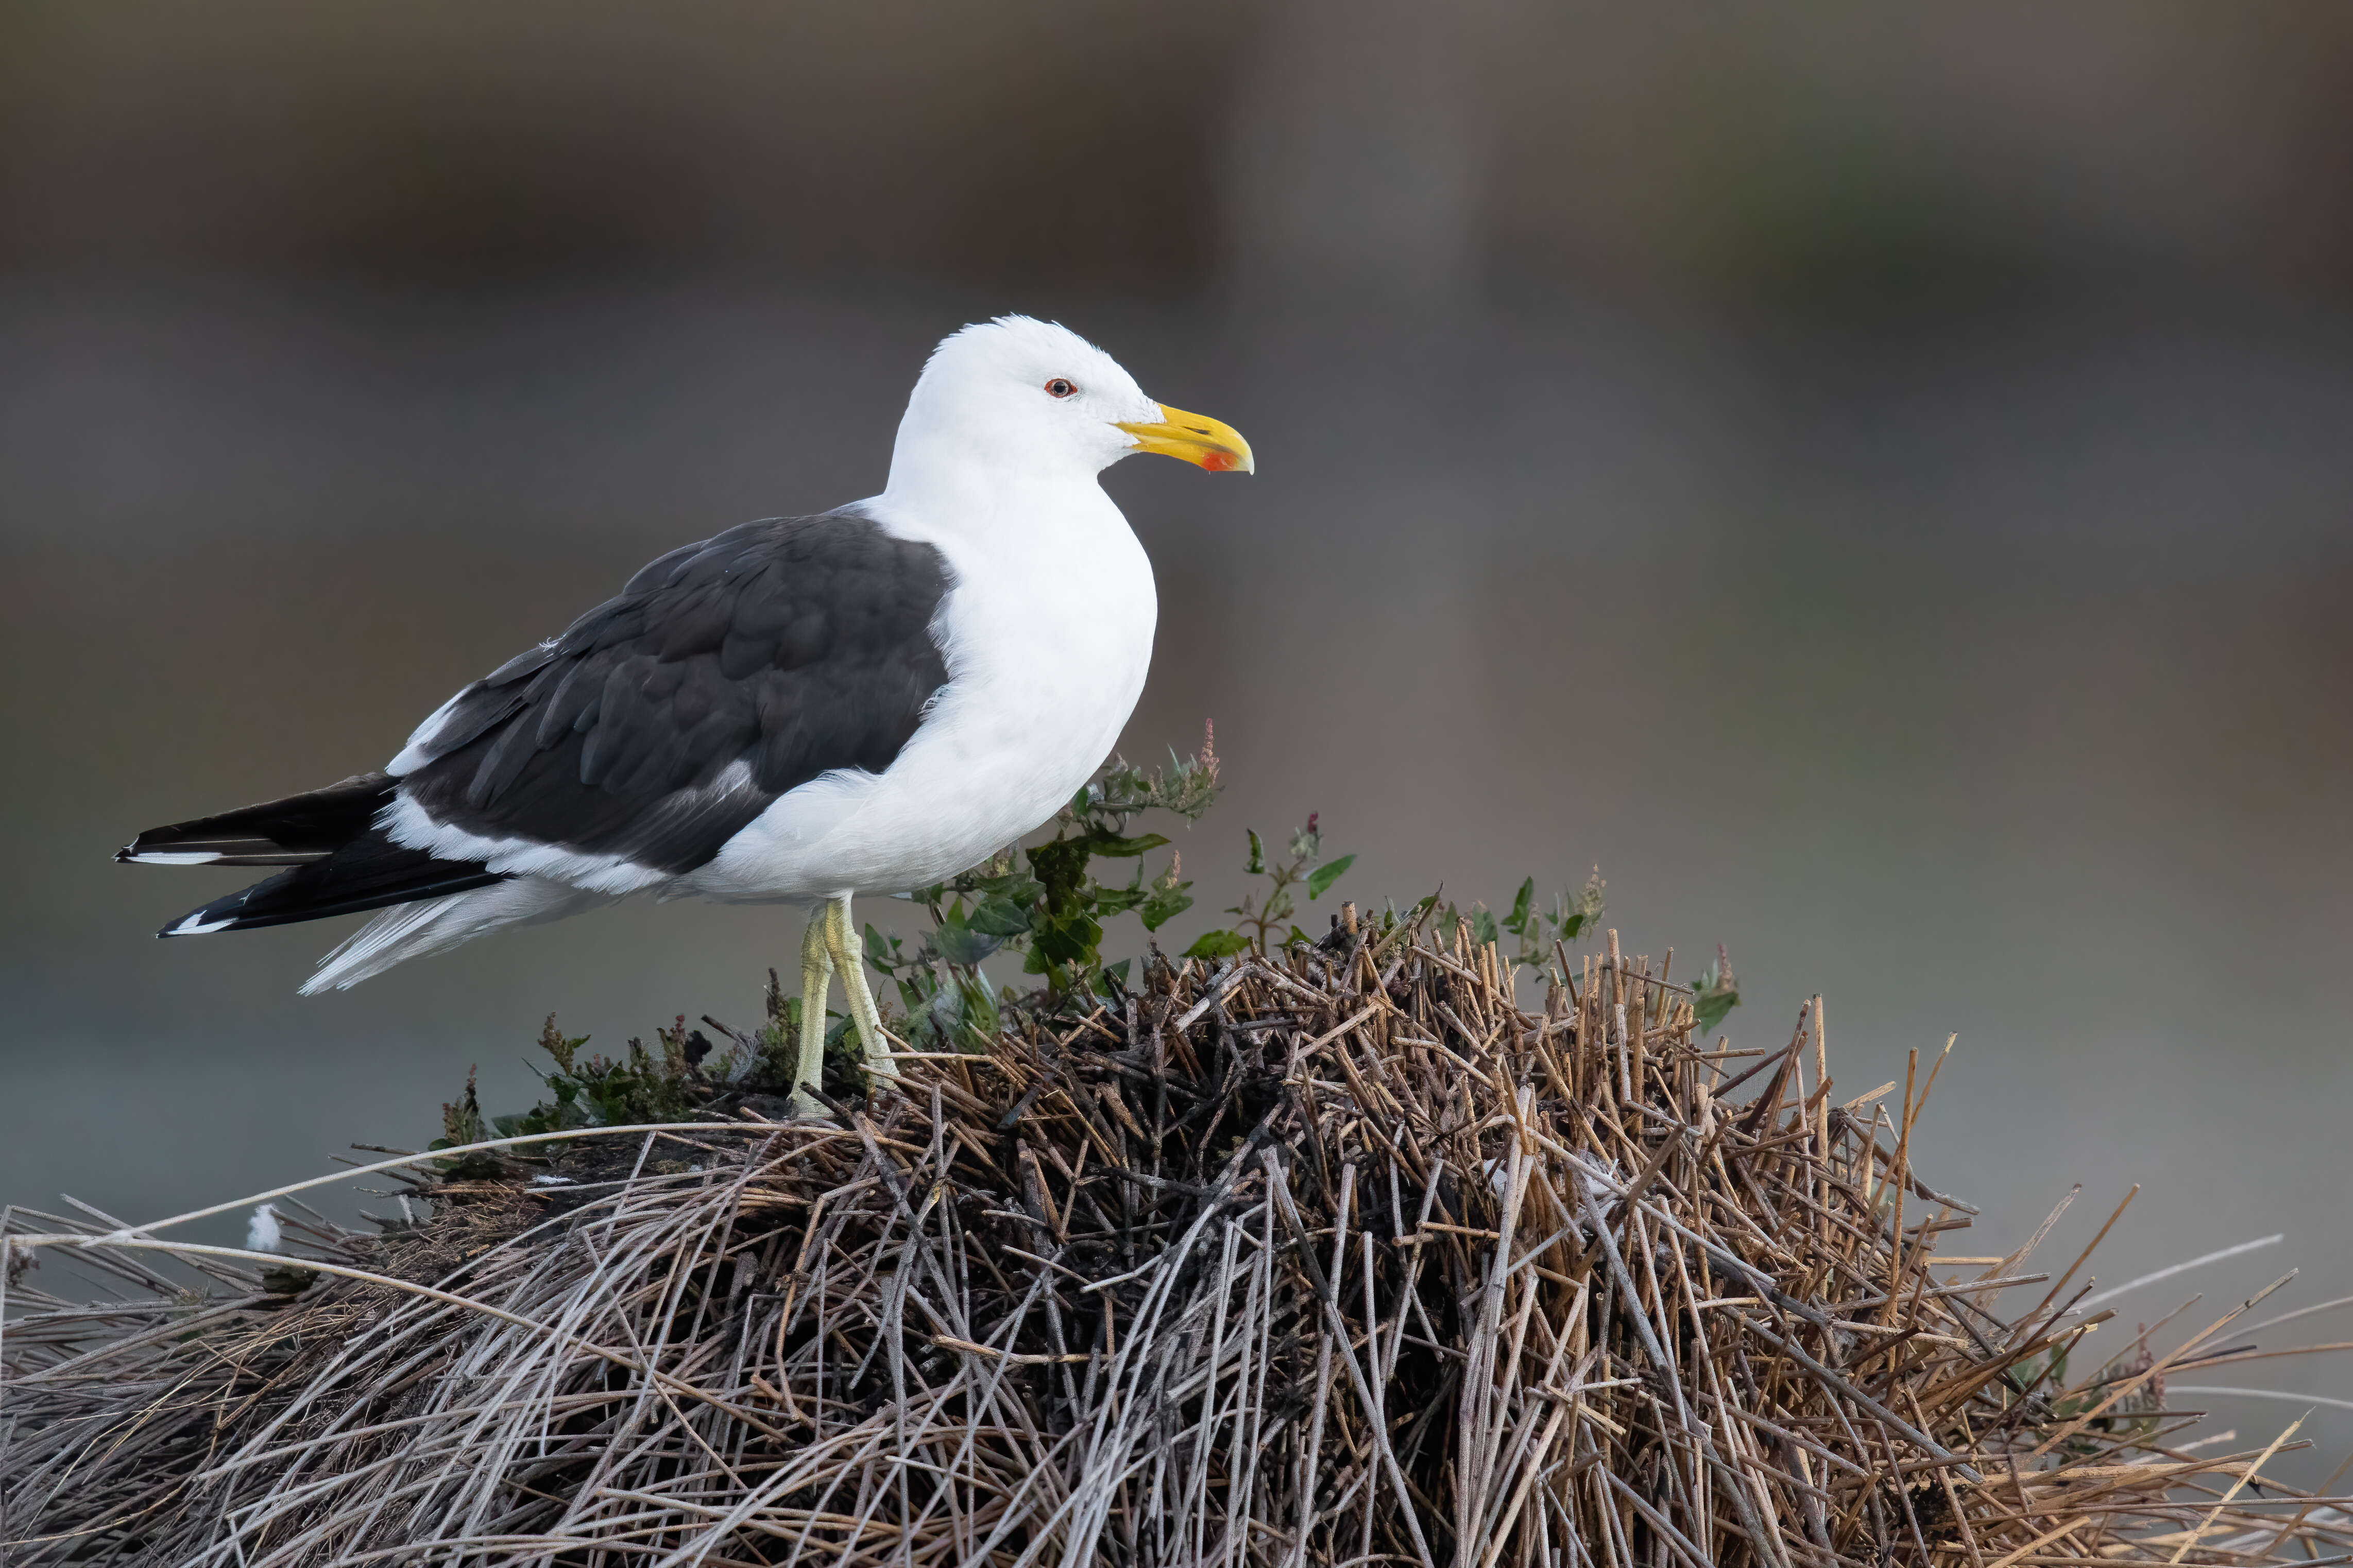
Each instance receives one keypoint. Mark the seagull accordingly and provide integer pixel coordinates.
(796, 711)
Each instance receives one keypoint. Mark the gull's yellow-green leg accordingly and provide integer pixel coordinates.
(817, 974)
(850, 956)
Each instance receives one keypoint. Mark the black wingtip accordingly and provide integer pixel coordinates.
(194, 923)
(298, 830)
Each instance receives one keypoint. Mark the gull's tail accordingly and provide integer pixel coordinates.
(436, 925)
(339, 862)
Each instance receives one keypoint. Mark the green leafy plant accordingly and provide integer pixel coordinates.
(665, 1083)
(1256, 917)
(1716, 993)
(1536, 927)
(1051, 910)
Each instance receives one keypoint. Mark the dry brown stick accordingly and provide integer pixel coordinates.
(1280, 1188)
(1831, 1379)
(2163, 1364)
(1308, 1471)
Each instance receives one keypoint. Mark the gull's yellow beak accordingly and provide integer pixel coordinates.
(1196, 438)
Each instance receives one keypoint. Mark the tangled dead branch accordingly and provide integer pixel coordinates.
(1343, 1258)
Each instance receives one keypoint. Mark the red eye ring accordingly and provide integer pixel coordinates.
(1058, 388)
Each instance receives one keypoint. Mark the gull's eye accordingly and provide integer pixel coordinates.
(1058, 388)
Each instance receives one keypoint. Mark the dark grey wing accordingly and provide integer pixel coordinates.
(723, 675)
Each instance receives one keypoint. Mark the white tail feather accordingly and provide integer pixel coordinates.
(436, 925)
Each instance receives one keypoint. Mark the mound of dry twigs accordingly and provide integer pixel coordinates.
(1351, 1255)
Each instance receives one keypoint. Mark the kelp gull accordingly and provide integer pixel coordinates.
(797, 710)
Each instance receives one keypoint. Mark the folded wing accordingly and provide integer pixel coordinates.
(626, 751)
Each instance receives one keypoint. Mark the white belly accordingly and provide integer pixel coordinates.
(1047, 650)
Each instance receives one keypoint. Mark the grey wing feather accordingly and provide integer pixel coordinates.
(791, 646)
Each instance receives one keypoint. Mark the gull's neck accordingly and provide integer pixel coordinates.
(948, 492)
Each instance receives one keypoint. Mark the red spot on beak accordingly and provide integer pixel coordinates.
(1220, 462)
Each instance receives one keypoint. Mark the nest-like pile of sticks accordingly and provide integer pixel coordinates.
(1347, 1257)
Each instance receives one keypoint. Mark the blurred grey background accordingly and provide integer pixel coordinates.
(1872, 481)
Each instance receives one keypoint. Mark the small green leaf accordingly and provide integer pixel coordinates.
(1216, 944)
(1060, 865)
(1711, 1008)
(1715, 994)
(1162, 908)
(1482, 926)
(1000, 917)
(1014, 886)
(1257, 867)
(959, 943)
(1114, 847)
(1324, 876)
(977, 1010)
(1119, 901)
(1516, 922)
(878, 948)
(1069, 938)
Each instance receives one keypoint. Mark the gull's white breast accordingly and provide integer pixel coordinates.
(1046, 632)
